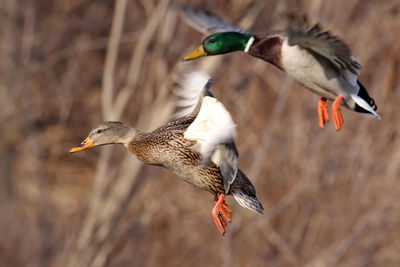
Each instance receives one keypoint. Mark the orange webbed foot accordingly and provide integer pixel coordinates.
(221, 211)
(323, 115)
(337, 113)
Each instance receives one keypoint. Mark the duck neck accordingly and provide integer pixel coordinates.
(240, 41)
(127, 135)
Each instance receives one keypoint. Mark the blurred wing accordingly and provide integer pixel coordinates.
(227, 157)
(324, 44)
(213, 130)
(206, 22)
(192, 88)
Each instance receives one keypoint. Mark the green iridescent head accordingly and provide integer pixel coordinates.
(220, 43)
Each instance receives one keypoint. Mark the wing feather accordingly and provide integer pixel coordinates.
(214, 130)
(324, 44)
(191, 90)
(206, 22)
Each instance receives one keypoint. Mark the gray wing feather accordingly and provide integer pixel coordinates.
(229, 166)
(193, 87)
(206, 22)
(324, 44)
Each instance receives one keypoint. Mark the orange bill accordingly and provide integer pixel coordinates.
(87, 143)
(199, 52)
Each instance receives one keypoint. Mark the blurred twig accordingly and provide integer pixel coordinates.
(331, 255)
(107, 210)
(261, 152)
(111, 60)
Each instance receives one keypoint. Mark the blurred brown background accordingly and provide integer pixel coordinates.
(330, 198)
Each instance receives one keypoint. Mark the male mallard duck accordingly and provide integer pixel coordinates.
(197, 147)
(317, 60)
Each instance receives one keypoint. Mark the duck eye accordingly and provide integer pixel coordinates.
(99, 131)
(212, 41)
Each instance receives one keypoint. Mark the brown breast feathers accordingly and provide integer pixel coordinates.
(268, 48)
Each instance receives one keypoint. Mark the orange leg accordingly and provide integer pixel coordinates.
(337, 113)
(323, 115)
(221, 211)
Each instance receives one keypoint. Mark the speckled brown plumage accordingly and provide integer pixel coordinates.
(167, 147)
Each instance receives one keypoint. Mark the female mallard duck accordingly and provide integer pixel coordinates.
(317, 60)
(198, 147)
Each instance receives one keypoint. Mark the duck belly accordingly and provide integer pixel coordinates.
(204, 178)
(314, 72)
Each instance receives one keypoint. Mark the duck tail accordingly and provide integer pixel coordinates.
(245, 194)
(364, 103)
(249, 202)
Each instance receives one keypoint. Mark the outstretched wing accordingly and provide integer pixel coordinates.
(206, 22)
(193, 87)
(324, 44)
(214, 130)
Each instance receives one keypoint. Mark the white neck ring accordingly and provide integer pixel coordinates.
(249, 43)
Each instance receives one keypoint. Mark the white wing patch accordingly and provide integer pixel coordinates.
(189, 91)
(212, 126)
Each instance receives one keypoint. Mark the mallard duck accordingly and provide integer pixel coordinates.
(197, 147)
(317, 60)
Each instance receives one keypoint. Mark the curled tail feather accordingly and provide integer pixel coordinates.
(364, 103)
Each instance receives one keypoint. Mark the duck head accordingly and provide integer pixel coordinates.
(220, 43)
(109, 132)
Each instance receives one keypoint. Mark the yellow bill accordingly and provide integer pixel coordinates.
(199, 52)
(87, 143)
